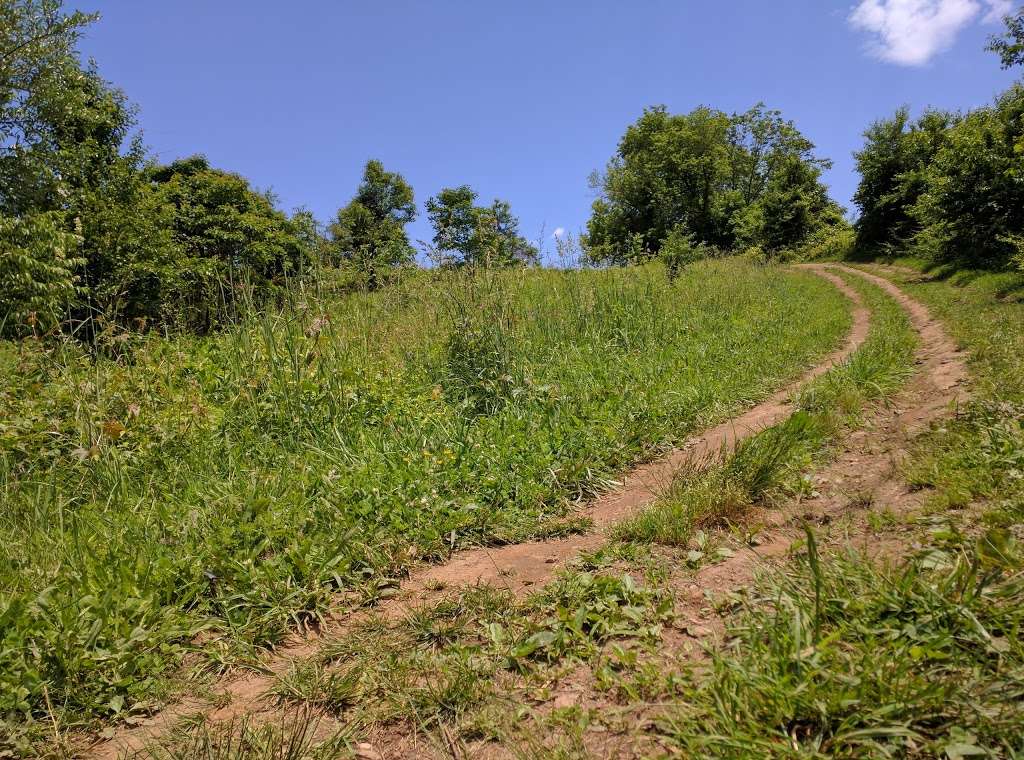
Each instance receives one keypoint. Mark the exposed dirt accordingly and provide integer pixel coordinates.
(867, 466)
(865, 476)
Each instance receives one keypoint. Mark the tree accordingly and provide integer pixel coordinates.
(37, 58)
(892, 167)
(701, 174)
(469, 235)
(67, 169)
(1010, 45)
(229, 241)
(370, 231)
(972, 208)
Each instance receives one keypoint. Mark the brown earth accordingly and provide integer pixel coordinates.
(866, 473)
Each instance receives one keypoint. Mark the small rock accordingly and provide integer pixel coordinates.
(367, 752)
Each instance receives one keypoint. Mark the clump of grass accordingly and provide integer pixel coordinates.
(845, 658)
(293, 739)
(583, 611)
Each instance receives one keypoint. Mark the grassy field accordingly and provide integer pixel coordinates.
(482, 666)
(830, 654)
(171, 493)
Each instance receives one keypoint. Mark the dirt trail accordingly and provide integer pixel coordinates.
(516, 567)
(865, 476)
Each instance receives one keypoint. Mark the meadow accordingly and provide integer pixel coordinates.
(169, 494)
(832, 650)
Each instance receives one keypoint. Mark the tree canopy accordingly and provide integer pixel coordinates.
(1010, 45)
(369, 231)
(469, 235)
(716, 177)
(88, 226)
(947, 188)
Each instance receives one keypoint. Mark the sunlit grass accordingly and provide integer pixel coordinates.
(231, 484)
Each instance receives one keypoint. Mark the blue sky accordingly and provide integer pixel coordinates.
(520, 100)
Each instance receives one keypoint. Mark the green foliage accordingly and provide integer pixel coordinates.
(38, 71)
(793, 207)
(369, 233)
(892, 166)
(746, 179)
(38, 260)
(229, 244)
(476, 236)
(1010, 45)
(179, 245)
(946, 188)
(974, 204)
(830, 242)
(583, 611)
(679, 250)
(230, 483)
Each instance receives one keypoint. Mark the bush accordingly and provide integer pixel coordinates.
(679, 250)
(973, 207)
(38, 281)
(830, 243)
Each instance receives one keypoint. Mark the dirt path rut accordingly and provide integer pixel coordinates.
(866, 475)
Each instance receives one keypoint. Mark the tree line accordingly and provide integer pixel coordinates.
(93, 232)
(948, 187)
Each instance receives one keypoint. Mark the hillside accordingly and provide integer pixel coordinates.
(732, 472)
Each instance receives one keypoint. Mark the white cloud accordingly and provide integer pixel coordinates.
(559, 231)
(911, 32)
(997, 9)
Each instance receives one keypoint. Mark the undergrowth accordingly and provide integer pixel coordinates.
(208, 494)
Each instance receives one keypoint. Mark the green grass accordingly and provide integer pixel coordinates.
(841, 655)
(229, 486)
(768, 465)
(833, 655)
(295, 738)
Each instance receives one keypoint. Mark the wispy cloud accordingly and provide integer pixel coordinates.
(559, 231)
(911, 32)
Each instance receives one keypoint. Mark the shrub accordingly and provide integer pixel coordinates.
(37, 272)
(679, 250)
(830, 242)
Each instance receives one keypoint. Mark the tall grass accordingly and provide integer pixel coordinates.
(843, 657)
(230, 484)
